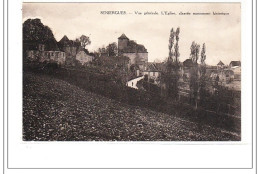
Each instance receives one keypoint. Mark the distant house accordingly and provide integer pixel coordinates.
(137, 53)
(42, 55)
(226, 76)
(220, 65)
(152, 71)
(135, 70)
(235, 66)
(188, 63)
(83, 56)
(185, 69)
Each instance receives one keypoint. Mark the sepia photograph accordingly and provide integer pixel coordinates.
(131, 71)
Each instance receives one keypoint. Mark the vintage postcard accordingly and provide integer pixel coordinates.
(131, 71)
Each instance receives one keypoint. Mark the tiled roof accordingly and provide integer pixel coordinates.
(235, 63)
(152, 67)
(188, 63)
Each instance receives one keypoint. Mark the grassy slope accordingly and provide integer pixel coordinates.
(56, 110)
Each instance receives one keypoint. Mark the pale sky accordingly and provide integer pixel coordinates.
(220, 33)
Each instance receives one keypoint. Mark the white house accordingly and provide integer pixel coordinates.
(235, 66)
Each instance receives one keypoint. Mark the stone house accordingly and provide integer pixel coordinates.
(226, 76)
(137, 53)
(185, 69)
(84, 57)
(220, 65)
(152, 72)
(42, 55)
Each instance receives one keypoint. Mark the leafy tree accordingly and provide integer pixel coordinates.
(34, 33)
(194, 74)
(176, 47)
(203, 79)
(84, 40)
(111, 49)
(171, 76)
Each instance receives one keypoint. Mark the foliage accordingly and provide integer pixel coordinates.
(84, 40)
(194, 73)
(203, 78)
(111, 49)
(34, 33)
(171, 76)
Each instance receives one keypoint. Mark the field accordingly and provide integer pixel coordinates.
(56, 110)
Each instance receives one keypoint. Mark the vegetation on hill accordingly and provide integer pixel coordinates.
(56, 110)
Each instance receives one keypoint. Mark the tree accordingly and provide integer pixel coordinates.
(203, 54)
(194, 55)
(84, 40)
(111, 49)
(194, 74)
(171, 43)
(202, 84)
(102, 50)
(171, 76)
(176, 47)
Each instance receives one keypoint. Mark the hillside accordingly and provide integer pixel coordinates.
(56, 110)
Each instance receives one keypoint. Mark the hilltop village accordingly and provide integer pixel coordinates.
(127, 54)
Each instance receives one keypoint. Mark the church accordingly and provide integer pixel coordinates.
(137, 53)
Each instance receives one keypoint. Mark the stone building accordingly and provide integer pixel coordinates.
(70, 48)
(42, 55)
(153, 72)
(84, 57)
(220, 65)
(137, 53)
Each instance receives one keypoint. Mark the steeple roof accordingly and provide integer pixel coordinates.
(220, 63)
(64, 39)
(123, 36)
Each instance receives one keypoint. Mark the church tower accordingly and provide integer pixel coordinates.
(122, 43)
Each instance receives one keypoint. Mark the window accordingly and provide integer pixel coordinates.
(153, 73)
